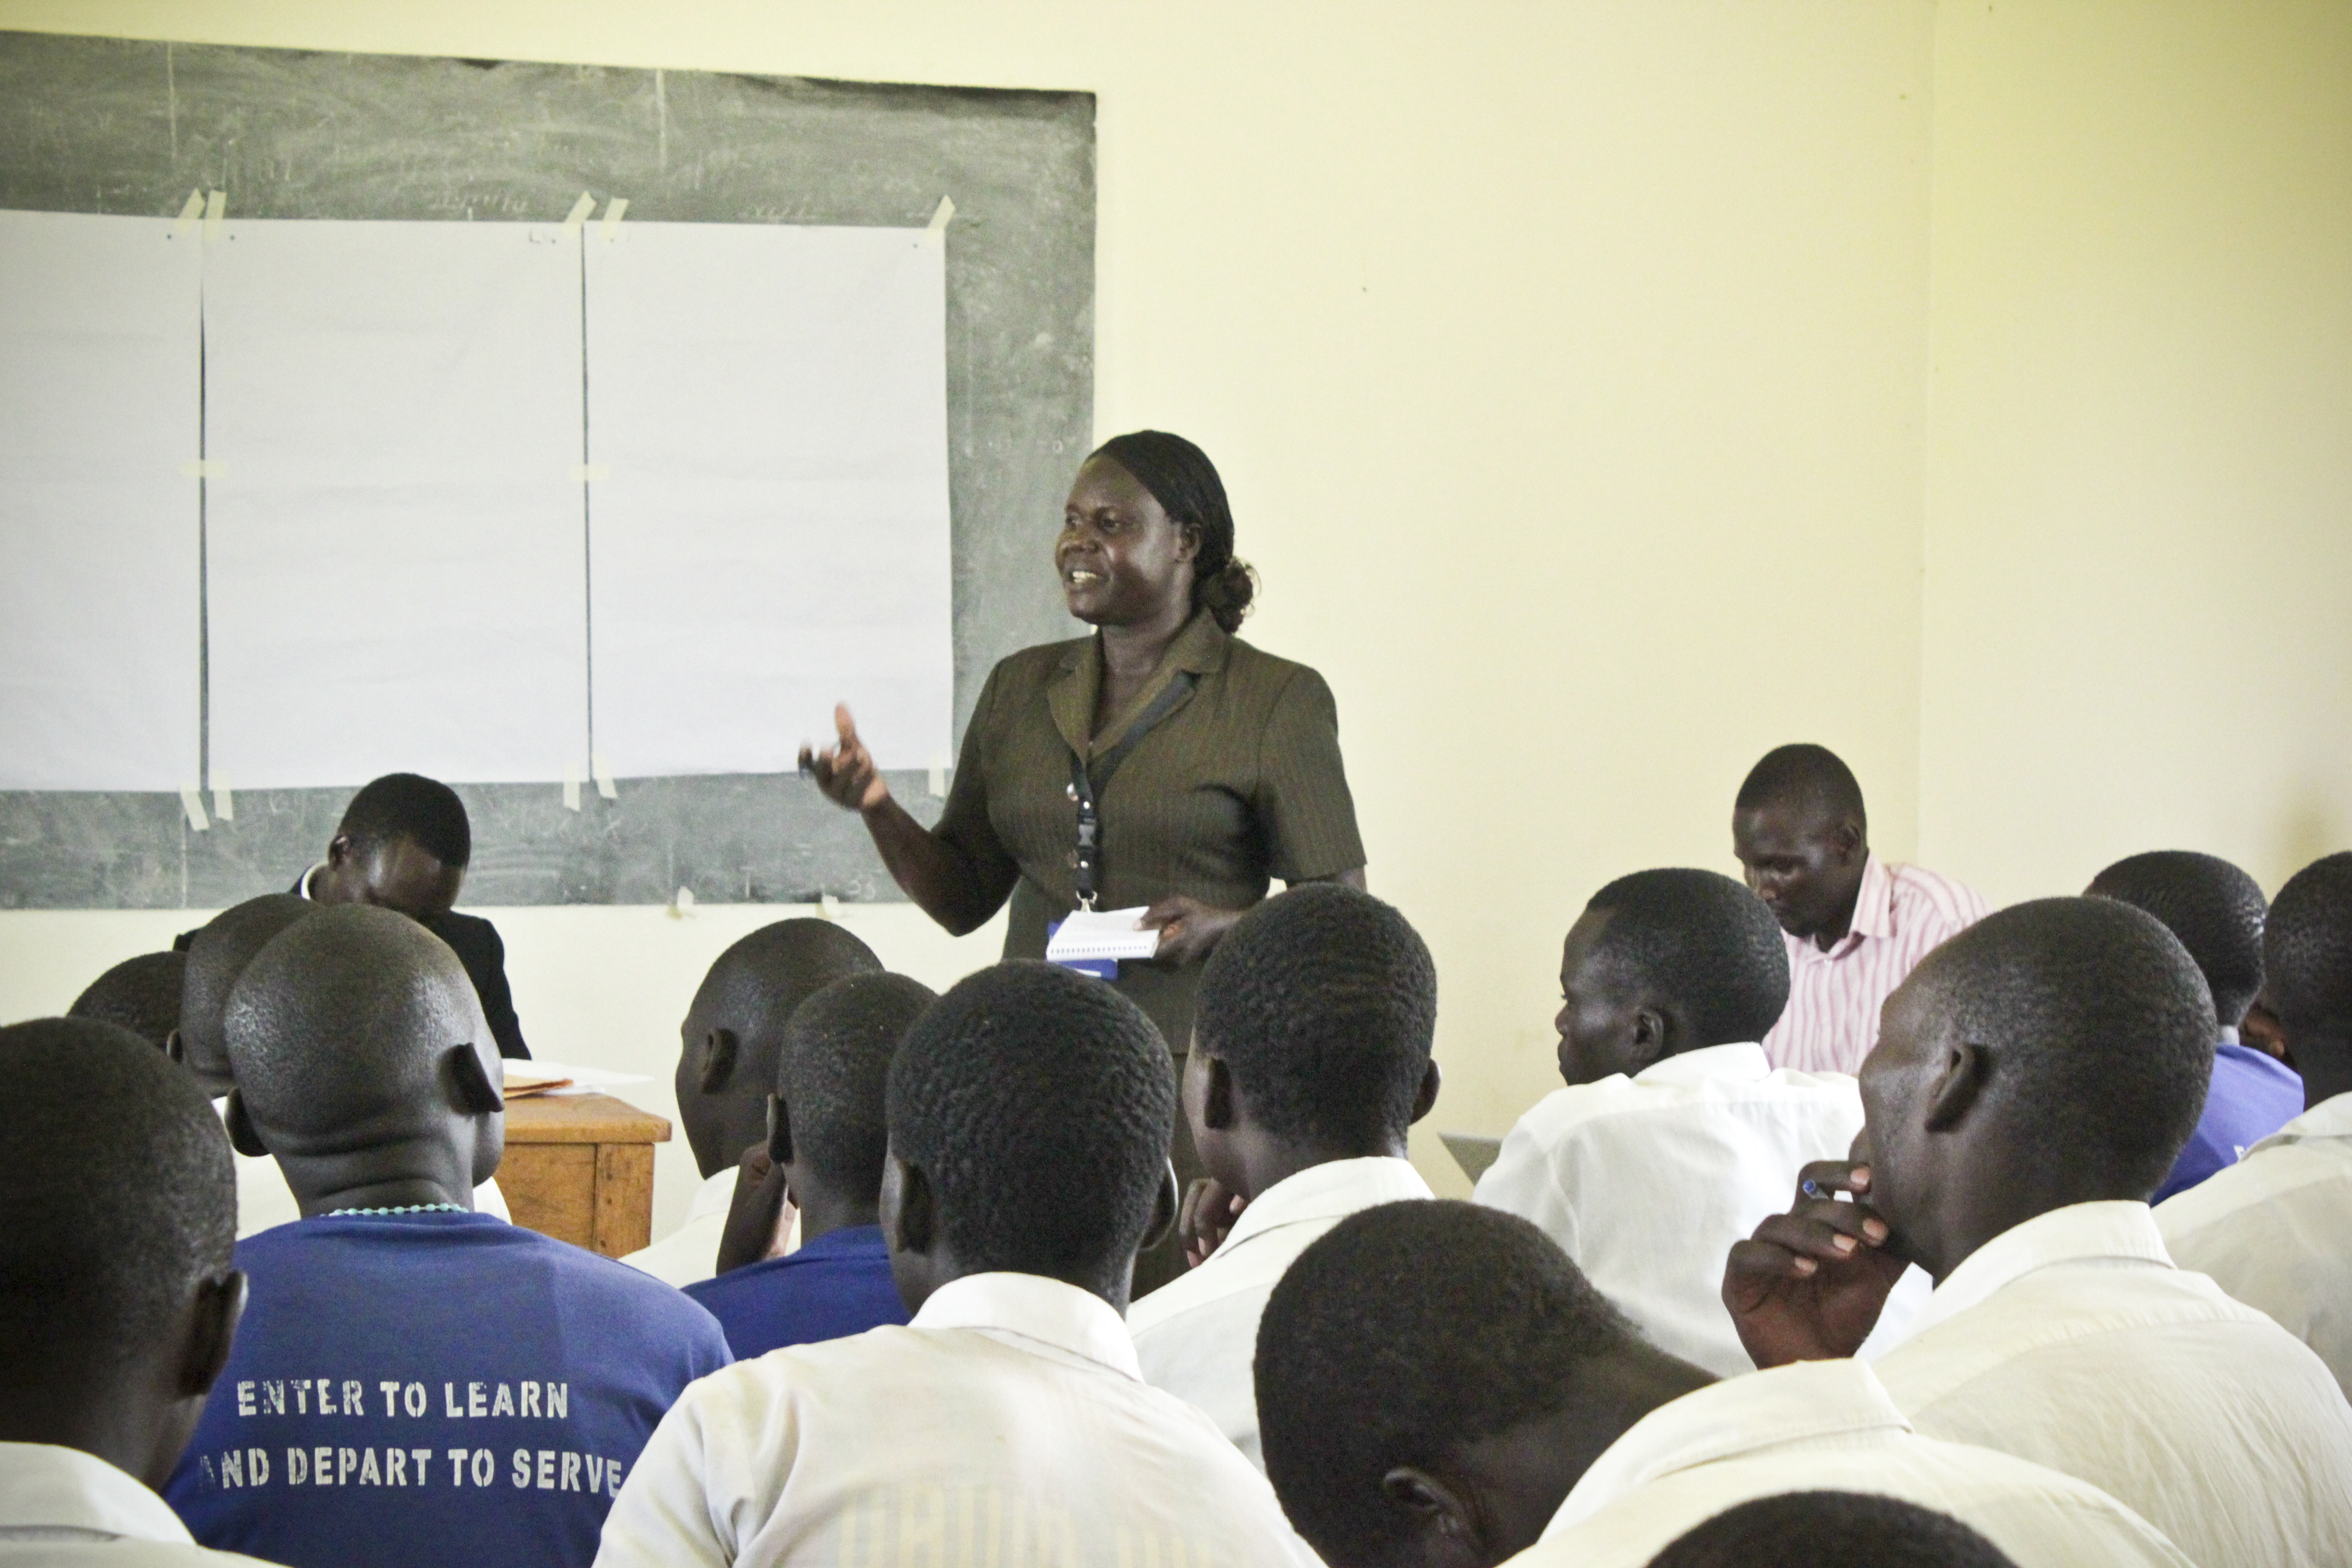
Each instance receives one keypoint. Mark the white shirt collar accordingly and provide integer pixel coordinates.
(303, 887)
(1031, 1306)
(43, 1487)
(1745, 1063)
(1802, 1402)
(715, 1197)
(1333, 1190)
(2331, 1118)
(2107, 1231)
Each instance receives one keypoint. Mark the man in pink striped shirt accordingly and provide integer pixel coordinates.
(1856, 925)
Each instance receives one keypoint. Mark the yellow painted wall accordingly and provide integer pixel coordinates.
(1569, 365)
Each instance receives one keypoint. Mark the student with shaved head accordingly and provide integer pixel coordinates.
(2216, 911)
(2036, 1079)
(141, 995)
(2275, 1229)
(1831, 1530)
(415, 1381)
(1440, 1387)
(1854, 924)
(1674, 1135)
(118, 1295)
(730, 1042)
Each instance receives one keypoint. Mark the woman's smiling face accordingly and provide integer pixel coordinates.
(1121, 557)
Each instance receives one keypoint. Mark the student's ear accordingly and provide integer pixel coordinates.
(1163, 1209)
(1849, 837)
(720, 1051)
(243, 1137)
(212, 1333)
(912, 1222)
(175, 1047)
(1958, 1087)
(469, 1085)
(1444, 1522)
(1649, 1038)
(779, 1130)
(1425, 1097)
(1217, 1096)
(339, 850)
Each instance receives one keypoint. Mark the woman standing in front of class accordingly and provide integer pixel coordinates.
(1207, 767)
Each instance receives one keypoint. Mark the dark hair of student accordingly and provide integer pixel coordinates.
(141, 995)
(410, 805)
(216, 957)
(833, 1071)
(1802, 773)
(1185, 483)
(2100, 1028)
(1039, 1103)
(1703, 940)
(2214, 908)
(1831, 1530)
(1401, 1334)
(1322, 1002)
(121, 1196)
(2308, 947)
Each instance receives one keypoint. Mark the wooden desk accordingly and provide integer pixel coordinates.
(580, 1168)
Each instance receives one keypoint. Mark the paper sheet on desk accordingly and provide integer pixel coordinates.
(583, 1080)
(1102, 933)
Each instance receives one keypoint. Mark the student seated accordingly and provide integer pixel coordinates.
(727, 1067)
(827, 1140)
(216, 955)
(403, 844)
(1675, 1135)
(2035, 1078)
(141, 995)
(2216, 911)
(1831, 1530)
(118, 1295)
(1310, 1058)
(2275, 1229)
(1030, 1111)
(1438, 1386)
(415, 1383)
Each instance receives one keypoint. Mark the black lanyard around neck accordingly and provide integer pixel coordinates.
(1087, 783)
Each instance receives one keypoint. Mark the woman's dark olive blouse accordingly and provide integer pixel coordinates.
(1239, 783)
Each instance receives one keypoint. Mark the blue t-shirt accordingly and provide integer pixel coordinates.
(835, 1286)
(433, 1388)
(2254, 1094)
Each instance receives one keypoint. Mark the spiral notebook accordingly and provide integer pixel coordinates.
(1094, 934)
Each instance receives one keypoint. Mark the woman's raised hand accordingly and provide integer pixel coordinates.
(846, 770)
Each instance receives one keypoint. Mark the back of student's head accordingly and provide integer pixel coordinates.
(341, 1022)
(409, 805)
(1039, 1104)
(121, 1198)
(1831, 1530)
(832, 1073)
(1702, 940)
(2214, 908)
(1402, 1334)
(1322, 1003)
(2100, 1031)
(216, 958)
(2308, 948)
(141, 995)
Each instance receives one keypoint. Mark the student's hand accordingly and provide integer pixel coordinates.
(846, 770)
(1809, 1285)
(1189, 929)
(1205, 1217)
(2259, 1029)
(758, 1220)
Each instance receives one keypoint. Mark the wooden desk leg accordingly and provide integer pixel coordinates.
(625, 1197)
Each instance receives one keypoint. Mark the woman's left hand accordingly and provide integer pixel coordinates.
(1189, 929)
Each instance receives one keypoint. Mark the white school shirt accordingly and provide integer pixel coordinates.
(1825, 1425)
(1900, 914)
(1006, 1423)
(690, 1253)
(263, 1201)
(61, 1507)
(2072, 1341)
(1646, 1182)
(2274, 1230)
(1196, 1336)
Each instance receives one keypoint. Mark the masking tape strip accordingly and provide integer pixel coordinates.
(577, 218)
(190, 211)
(611, 226)
(571, 791)
(202, 468)
(589, 472)
(938, 778)
(192, 801)
(215, 213)
(942, 213)
(828, 907)
(224, 803)
(603, 771)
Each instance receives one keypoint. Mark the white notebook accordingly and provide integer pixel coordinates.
(1102, 933)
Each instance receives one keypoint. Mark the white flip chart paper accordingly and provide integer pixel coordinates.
(98, 411)
(396, 563)
(768, 522)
